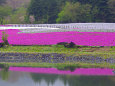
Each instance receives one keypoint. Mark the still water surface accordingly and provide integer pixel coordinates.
(26, 78)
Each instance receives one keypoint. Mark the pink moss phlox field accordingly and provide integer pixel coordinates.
(79, 38)
(10, 32)
(78, 71)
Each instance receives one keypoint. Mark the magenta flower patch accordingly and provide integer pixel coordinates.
(79, 38)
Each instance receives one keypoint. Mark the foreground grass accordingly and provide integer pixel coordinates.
(38, 49)
(62, 66)
(113, 48)
(53, 49)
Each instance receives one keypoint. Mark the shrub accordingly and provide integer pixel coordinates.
(62, 43)
(1, 45)
(4, 38)
(70, 45)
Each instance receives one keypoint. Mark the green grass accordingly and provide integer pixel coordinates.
(62, 66)
(39, 49)
(51, 49)
(113, 48)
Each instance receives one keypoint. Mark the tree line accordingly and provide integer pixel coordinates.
(72, 11)
(60, 11)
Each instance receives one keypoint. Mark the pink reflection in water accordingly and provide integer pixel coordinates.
(79, 38)
(79, 71)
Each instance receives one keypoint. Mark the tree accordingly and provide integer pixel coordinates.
(111, 4)
(75, 12)
(43, 11)
(52, 11)
(17, 16)
(4, 11)
(103, 14)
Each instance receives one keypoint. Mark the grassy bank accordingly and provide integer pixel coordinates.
(58, 49)
(105, 52)
(63, 66)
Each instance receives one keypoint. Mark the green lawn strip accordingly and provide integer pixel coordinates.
(62, 65)
(112, 49)
(49, 49)
(43, 49)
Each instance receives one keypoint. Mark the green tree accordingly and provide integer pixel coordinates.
(43, 11)
(4, 12)
(17, 16)
(75, 12)
(111, 4)
(104, 14)
(48, 11)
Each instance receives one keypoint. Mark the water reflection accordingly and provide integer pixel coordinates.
(17, 78)
(69, 80)
(48, 78)
(4, 71)
(4, 74)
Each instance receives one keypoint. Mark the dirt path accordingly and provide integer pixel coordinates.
(100, 49)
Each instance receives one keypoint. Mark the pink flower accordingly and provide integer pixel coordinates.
(79, 38)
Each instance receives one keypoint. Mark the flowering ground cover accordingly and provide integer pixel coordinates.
(50, 38)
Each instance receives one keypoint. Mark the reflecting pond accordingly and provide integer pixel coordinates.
(20, 76)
